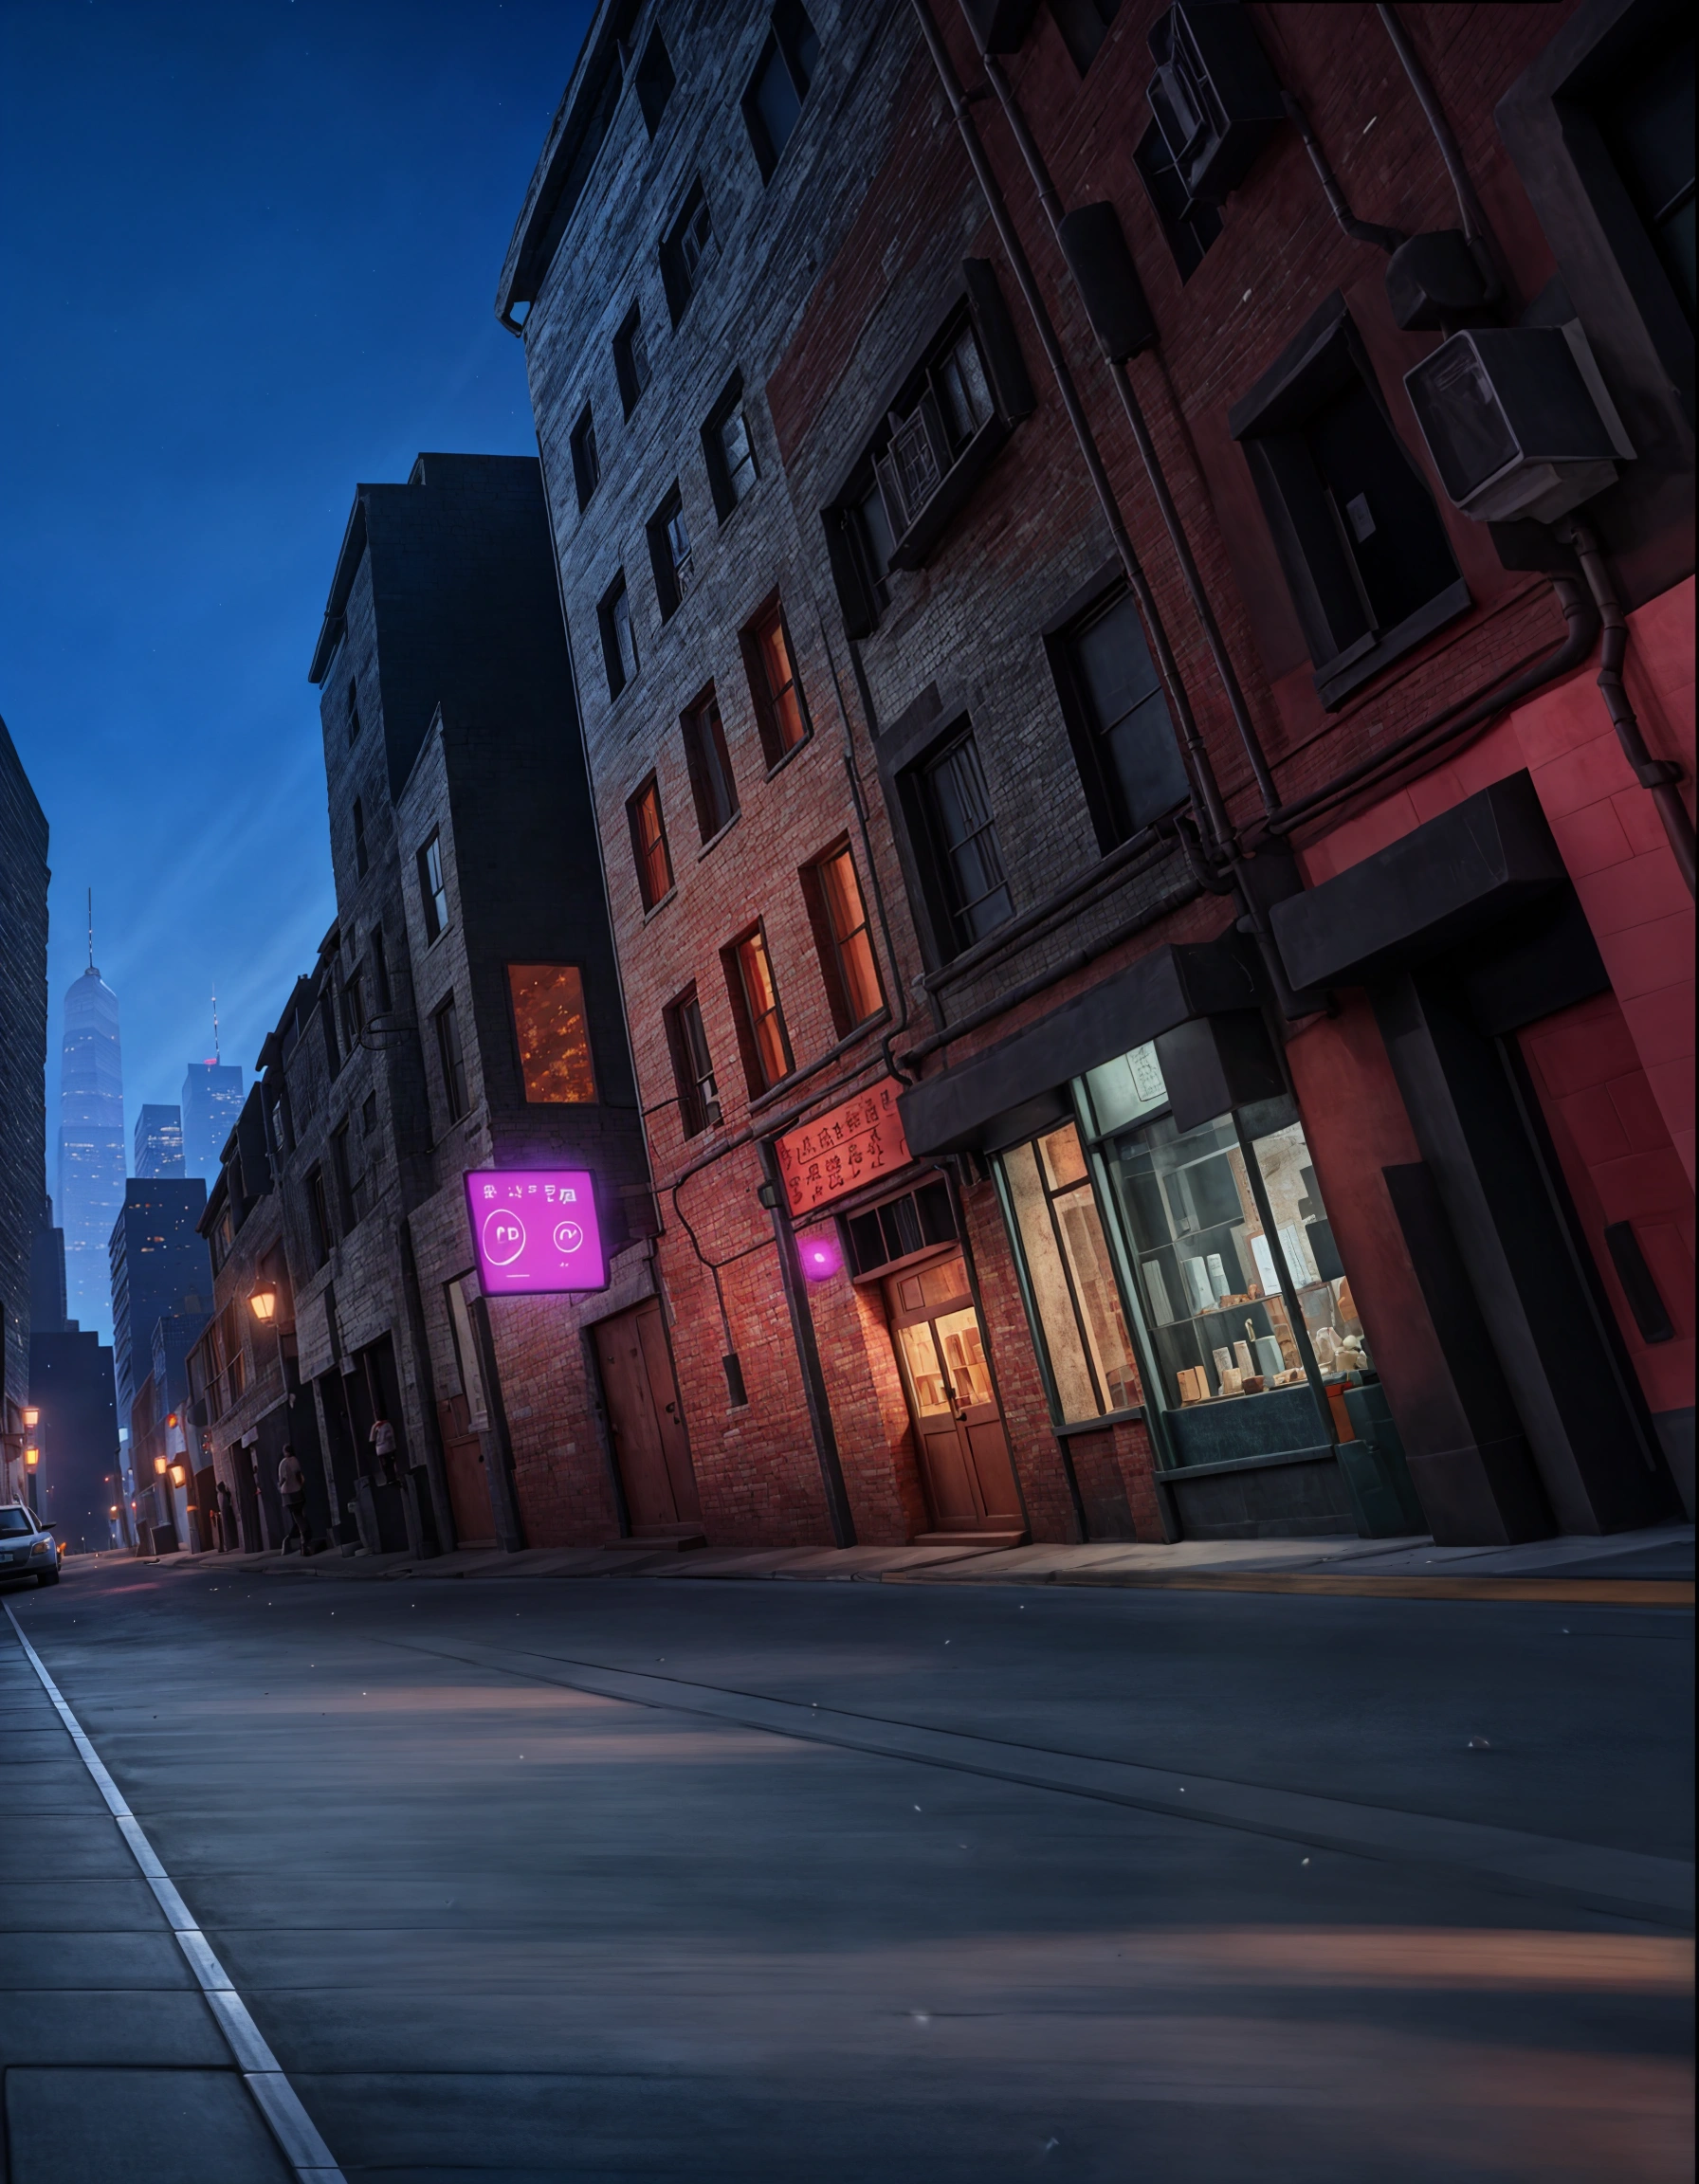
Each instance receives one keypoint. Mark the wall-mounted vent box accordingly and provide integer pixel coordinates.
(1518, 421)
(1213, 95)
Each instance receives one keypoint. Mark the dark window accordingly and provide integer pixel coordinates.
(283, 1120)
(912, 1223)
(1647, 123)
(772, 103)
(654, 79)
(711, 781)
(755, 1006)
(631, 360)
(327, 1026)
(433, 889)
(369, 1114)
(649, 843)
(1118, 719)
(780, 709)
(687, 251)
(319, 1221)
(967, 860)
(1188, 228)
(380, 970)
(619, 640)
(587, 468)
(554, 1033)
(725, 443)
(950, 407)
(1365, 556)
(359, 838)
(347, 1209)
(839, 915)
(353, 1006)
(670, 553)
(692, 1065)
(451, 1055)
(1084, 25)
(354, 713)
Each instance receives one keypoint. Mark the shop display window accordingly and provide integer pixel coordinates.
(1069, 1276)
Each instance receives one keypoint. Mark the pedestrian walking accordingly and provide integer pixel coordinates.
(382, 1438)
(229, 1537)
(292, 1486)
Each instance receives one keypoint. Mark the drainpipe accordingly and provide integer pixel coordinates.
(1387, 239)
(1659, 776)
(1225, 671)
(1205, 789)
(1468, 205)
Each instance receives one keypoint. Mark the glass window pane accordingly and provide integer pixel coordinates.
(1311, 1256)
(1126, 1088)
(1070, 1370)
(554, 1033)
(965, 1363)
(777, 101)
(926, 1374)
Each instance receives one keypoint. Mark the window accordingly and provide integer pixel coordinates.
(1365, 556)
(1084, 25)
(710, 766)
(649, 843)
(341, 1167)
(353, 1006)
(327, 1027)
(670, 553)
(619, 641)
(755, 1005)
(1117, 719)
(687, 251)
(654, 79)
(433, 889)
(899, 1228)
(955, 408)
(725, 443)
(967, 860)
(359, 838)
(631, 360)
(772, 103)
(369, 1115)
(587, 468)
(780, 710)
(1647, 123)
(692, 1065)
(553, 1033)
(283, 1118)
(1188, 228)
(839, 916)
(354, 713)
(451, 1056)
(380, 970)
(1069, 1284)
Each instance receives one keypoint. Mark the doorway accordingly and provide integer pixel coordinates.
(946, 1376)
(646, 1423)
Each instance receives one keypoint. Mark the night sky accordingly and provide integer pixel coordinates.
(247, 253)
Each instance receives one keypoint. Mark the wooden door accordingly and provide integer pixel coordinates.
(468, 1478)
(646, 1421)
(947, 1375)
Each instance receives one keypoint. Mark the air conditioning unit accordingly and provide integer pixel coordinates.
(1215, 97)
(913, 465)
(1518, 421)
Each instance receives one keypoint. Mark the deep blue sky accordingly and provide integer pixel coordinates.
(248, 252)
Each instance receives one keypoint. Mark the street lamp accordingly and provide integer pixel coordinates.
(160, 1466)
(178, 1475)
(262, 1302)
(31, 1458)
(32, 1418)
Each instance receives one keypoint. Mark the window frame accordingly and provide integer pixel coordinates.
(748, 1019)
(608, 622)
(362, 860)
(632, 366)
(830, 946)
(701, 1107)
(655, 80)
(765, 699)
(707, 760)
(433, 895)
(1105, 795)
(789, 28)
(1271, 423)
(593, 1099)
(586, 460)
(685, 267)
(937, 873)
(722, 478)
(451, 1060)
(642, 850)
(674, 573)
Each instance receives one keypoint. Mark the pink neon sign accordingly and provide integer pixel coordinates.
(535, 1230)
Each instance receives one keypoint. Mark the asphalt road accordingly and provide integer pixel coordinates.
(614, 1879)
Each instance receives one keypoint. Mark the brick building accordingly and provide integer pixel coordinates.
(463, 1015)
(1300, 1117)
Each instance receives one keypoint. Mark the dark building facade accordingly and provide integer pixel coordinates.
(79, 1484)
(23, 1058)
(159, 1265)
(1260, 1100)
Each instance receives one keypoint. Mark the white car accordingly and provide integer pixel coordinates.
(28, 1549)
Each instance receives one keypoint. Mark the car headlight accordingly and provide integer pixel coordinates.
(42, 1547)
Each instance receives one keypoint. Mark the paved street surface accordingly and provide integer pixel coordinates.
(547, 1877)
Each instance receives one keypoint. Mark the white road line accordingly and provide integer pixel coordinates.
(275, 2098)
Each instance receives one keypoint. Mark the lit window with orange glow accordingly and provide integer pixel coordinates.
(769, 1049)
(849, 964)
(554, 1035)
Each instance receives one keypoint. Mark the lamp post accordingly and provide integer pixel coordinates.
(32, 1457)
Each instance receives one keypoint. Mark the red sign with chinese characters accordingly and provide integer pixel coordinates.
(840, 1151)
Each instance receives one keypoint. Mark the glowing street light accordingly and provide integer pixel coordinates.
(179, 1474)
(160, 1466)
(32, 1457)
(32, 1418)
(262, 1302)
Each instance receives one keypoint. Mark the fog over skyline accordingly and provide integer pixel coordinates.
(249, 251)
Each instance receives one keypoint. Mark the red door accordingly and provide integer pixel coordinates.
(646, 1421)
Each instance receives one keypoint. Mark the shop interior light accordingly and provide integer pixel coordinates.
(262, 1302)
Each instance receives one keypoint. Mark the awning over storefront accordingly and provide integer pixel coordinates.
(1021, 1083)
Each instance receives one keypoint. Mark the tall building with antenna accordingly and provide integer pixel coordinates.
(91, 1140)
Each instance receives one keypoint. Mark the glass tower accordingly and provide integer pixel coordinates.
(159, 1142)
(91, 1146)
(211, 1102)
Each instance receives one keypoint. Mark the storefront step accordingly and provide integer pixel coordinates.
(1014, 1537)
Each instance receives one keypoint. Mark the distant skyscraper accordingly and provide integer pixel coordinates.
(91, 1142)
(23, 1057)
(159, 1142)
(159, 1264)
(46, 1276)
(211, 1102)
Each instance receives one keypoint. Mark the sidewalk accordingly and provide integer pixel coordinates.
(1651, 1569)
